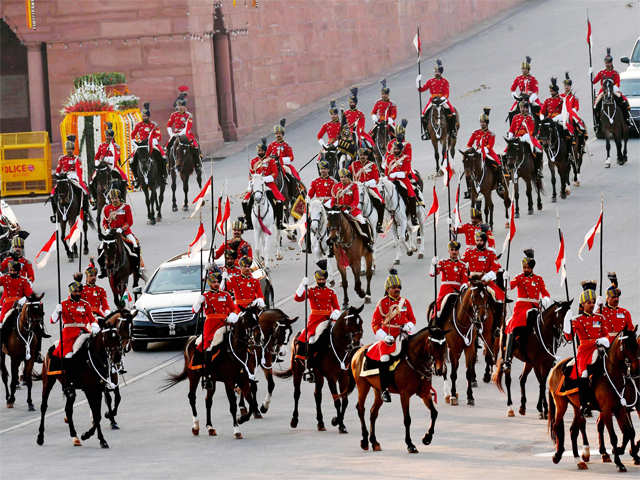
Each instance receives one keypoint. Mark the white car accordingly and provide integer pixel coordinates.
(630, 88)
(634, 60)
(164, 305)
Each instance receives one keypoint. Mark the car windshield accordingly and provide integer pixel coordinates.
(630, 87)
(171, 279)
(635, 56)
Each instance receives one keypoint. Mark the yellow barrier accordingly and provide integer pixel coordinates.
(25, 163)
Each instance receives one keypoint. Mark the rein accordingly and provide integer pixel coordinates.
(348, 349)
(437, 129)
(107, 382)
(243, 363)
(69, 203)
(620, 393)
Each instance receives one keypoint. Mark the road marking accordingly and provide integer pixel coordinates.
(140, 376)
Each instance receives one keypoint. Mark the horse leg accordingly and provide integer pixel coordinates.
(608, 421)
(452, 398)
(68, 410)
(297, 379)
(5, 375)
(516, 195)
(109, 414)
(160, 199)
(556, 424)
(428, 401)
(185, 189)
(373, 416)
(231, 396)
(363, 391)
(607, 162)
(15, 376)
(529, 192)
(47, 384)
(344, 383)
(345, 285)
(242, 406)
(629, 433)
(174, 204)
(28, 380)
(602, 448)
(369, 266)
(523, 392)
(355, 269)
(208, 402)
(436, 153)
(404, 401)
(574, 431)
(317, 395)
(470, 361)
(193, 386)
(95, 400)
(553, 182)
(270, 386)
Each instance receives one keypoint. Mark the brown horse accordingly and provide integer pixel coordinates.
(69, 202)
(348, 248)
(87, 370)
(184, 158)
(612, 123)
(518, 162)
(435, 122)
(608, 384)
(330, 360)
(119, 265)
(423, 354)
(538, 353)
(555, 145)
(228, 365)
(483, 179)
(21, 335)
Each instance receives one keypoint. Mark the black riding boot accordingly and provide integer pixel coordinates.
(412, 209)
(330, 242)
(246, 208)
(133, 165)
(103, 270)
(386, 380)
(279, 211)
(508, 355)
(583, 392)
(626, 111)
(379, 206)
(366, 229)
(596, 117)
(451, 125)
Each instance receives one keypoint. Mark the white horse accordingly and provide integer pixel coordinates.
(319, 233)
(404, 234)
(265, 231)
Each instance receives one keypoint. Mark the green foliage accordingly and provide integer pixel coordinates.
(102, 78)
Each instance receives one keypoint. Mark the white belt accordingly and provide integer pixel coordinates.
(77, 325)
(532, 300)
(450, 283)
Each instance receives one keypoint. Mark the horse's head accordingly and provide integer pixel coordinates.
(607, 88)
(624, 352)
(553, 317)
(32, 316)
(514, 149)
(258, 187)
(470, 159)
(475, 300)
(317, 216)
(113, 250)
(246, 331)
(122, 321)
(546, 127)
(64, 188)
(276, 330)
(349, 326)
(436, 347)
(333, 220)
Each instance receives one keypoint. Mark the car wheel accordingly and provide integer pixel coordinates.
(139, 346)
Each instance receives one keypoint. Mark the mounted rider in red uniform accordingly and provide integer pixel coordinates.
(93, 294)
(345, 195)
(283, 151)
(523, 126)
(398, 169)
(483, 140)
(453, 276)
(355, 119)
(267, 167)
(245, 289)
(147, 135)
(438, 87)
(570, 108)
(331, 129)
(608, 72)
(322, 186)
(525, 85)
(14, 288)
(325, 309)
(109, 154)
(552, 106)
(469, 229)
(617, 318)
(392, 320)
(230, 269)
(17, 254)
(237, 244)
(482, 260)
(384, 111)
(71, 165)
(401, 130)
(532, 295)
(365, 172)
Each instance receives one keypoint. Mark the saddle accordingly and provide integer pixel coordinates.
(372, 367)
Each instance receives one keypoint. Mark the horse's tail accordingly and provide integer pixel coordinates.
(496, 378)
(175, 378)
(552, 416)
(36, 376)
(89, 219)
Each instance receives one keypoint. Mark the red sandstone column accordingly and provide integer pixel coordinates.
(36, 87)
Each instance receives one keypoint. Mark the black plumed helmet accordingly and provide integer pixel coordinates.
(485, 114)
(333, 109)
(438, 66)
(567, 79)
(588, 284)
(554, 84)
(263, 144)
(385, 89)
(608, 57)
(354, 94)
(322, 264)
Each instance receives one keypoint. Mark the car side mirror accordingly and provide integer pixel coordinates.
(624, 59)
(137, 291)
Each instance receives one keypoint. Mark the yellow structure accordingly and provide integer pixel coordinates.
(25, 163)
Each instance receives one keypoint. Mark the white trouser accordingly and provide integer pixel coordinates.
(131, 238)
(594, 357)
(527, 138)
(360, 218)
(395, 353)
(217, 338)
(322, 326)
(77, 345)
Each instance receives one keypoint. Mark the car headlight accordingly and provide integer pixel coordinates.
(141, 316)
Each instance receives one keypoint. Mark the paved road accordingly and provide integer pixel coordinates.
(155, 438)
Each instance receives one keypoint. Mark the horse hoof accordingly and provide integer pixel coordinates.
(426, 440)
(412, 449)
(185, 208)
(420, 256)
(31, 408)
(263, 409)
(294, 423)
(243, 411)
(174, 208)
(474, 384)
(279, 256)
(454, 401)
(486, 378)
(586, 455)
(66, 420)
(377, 447)
(554, 199)
(396, 262)
(447, 399)
(195, 431)
(540, 416)
(510, 413)
(70, 259)
(410, 253)
(85, 251)
(342, 429)
(77, 442)
(104, 444)
(114, 426)
(522, 411)
(212, 431)
(607, 164)
(556, 457)
(367, 299)
(84, 436)
(321, 427)
(539, 205)
(364, 445)
(530, 211)
(9, 405)
(334, 421)
(517, 215)
(606, 458)
(471, 402)
(257, 415)
(622, 468)
(582, 466)
(40, 439)
(576, 184)
(237, 436)
(158, 218)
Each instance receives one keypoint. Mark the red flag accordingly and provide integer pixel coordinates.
(590, 236)
(199, 200)
(45, 252)
(417, 43)
(588, 32)
(512, 228)
(435, 207)
(74, 233)
(221, 222)
(447, 170)
(457, 220)
(560, 260)
(199, 242)
(219, 214)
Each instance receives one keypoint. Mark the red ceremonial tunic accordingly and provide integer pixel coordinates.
(384, 110)
(572, 104)
(332, 129)
(244, 290)
(483, 141)
(525, 84)
(217, 307)
(616, 318)
(355, 119)
(71, 164)
(530, 290)
(231, 273)
(182, 124)
(285, 155)
(406, 148)
(469, 231)
(322, 301)
(389, 316)
(438, 87)
(364, 173)
(265, 166)
(522, 125)
(604, 74)
(237, 247)
(588, 328)
(26, 271)
(110, 153)
(552, 107)
(484, 261)
(148, 131)
(96, 296)
(12, 289)
(321, 188)
(76, 319)
(346, 196)
(123, 216)
(400, 164)
(453, 274)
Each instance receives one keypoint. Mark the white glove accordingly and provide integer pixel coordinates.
(370, 183)
(225, 275)
(374, 118)
(599, 301)
(118, 230)
(546, 302)
(197, 304)
(566, 326)
(391, 121)
(286, 160)
(409, 327)
(398, 175)
(56, 313)
(515, 95)
(335, 314)
(258, 302)
(381, 335)
(322, 142)
(505, 278)
(22, 301)
(432, 271)
(449, 221)
(268, 178)
(95, 329)
(389, 339)
(509, 135)
(418, 78)
(232, 317)
(170, 132)
(434, 261)
(335, 144)
(489, 277)
(603, 342)
(301, 287)
(107, 312)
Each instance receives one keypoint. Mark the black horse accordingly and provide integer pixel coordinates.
(519, 163)
(553, 139)
(184, 158)
(151, 175)
(68, 201)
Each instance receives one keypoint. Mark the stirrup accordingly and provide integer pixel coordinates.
(386, 397)
(309, 376)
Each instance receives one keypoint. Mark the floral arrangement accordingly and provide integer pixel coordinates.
(103, 78)
(91, 96)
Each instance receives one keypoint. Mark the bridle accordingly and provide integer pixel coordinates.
(318, 226)
(27, 331)
(248, 337)
(353, 336)
(280, 335)
(475, 158)
(552, 140)
(608, 100)
(64, 198)
(339, 229)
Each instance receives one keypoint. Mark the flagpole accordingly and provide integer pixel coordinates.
(449, 192)
(566, 283)
(601, 235)
(59, 297)
(307, 243)
(213, 222)
(435, 254)
(80, 252)
(593, 98)
(419, 93)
